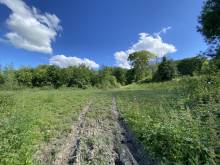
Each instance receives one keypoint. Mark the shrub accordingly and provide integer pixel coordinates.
(24, 77)
(166, 71)
(201, 90)
(1, 79)
(190, 66)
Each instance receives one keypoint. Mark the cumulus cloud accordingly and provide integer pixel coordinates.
(29, 29)
(66, 61)
(152, 43)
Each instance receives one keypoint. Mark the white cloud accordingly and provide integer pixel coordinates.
(152, 43)
(29, 29)
(164, 30)
(121, 59)
(66, 61)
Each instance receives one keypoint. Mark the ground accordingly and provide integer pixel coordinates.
(137, 124)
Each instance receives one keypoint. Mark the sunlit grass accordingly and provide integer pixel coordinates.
(33, 117)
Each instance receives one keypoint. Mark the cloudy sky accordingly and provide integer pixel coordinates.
(97, 32)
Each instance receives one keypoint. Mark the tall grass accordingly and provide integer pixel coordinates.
(170, 131)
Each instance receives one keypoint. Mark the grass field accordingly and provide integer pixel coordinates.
(32, 117)
(169, 132)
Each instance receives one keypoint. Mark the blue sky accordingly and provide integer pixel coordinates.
(102, 31)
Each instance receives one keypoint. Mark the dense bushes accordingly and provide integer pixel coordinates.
(190, 66)
(166, 71)
(175, 126)
(201, 90)
(53, 76)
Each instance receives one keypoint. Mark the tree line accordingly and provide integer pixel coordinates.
(142, 70)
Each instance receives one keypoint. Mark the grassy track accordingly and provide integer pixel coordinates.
(32, 117)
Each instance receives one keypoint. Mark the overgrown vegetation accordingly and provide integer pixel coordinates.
(31, 118)
(177, 122)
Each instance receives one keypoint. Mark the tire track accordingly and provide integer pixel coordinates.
(69, 150)
(129, 150)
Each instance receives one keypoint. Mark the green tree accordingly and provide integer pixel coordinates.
(40, 76)
(139, 62)
(190, 66)
(10, 78)
(209, 21)
(2, 81)
(54, 76)
(80, 77)
(166, 70)
(24, 77)
(120, 75)
(105, 79)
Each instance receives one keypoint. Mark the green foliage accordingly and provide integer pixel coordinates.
(120, 75)
(30, 119)
(166, 71)
(210, 25)
(130, 76)
(170, 131)
(80, 77)
(6, 101)
(105, 79)
(139, 62)
(54, 76)
(2, 81)
(201, 90)
(209, 20)
(24, 77)
(190, 66)
(40, 76)
(216, 60)
(9, 75)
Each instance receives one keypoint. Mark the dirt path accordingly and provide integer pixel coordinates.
(68, 152)
(99, 137)
(130, 151)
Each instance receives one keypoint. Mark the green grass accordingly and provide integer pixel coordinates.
(171, 133)
(32, 117)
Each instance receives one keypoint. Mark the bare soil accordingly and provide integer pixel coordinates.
(100, 136)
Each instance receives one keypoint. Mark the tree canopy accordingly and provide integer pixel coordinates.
(209, 21)
(139, 62)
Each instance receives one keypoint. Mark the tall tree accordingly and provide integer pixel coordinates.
(139, 62)
(166, 70)
(209, 21)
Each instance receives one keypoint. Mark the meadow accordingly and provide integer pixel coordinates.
(31, 118)
(171, 130)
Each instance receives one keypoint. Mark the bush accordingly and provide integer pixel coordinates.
(190, 66)
(1, 79)
(24, 77)
(80, 77)
(166, 71)
(54, 76)
(105, 79)
(120, 75)
(40, 76)
(201, 90)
